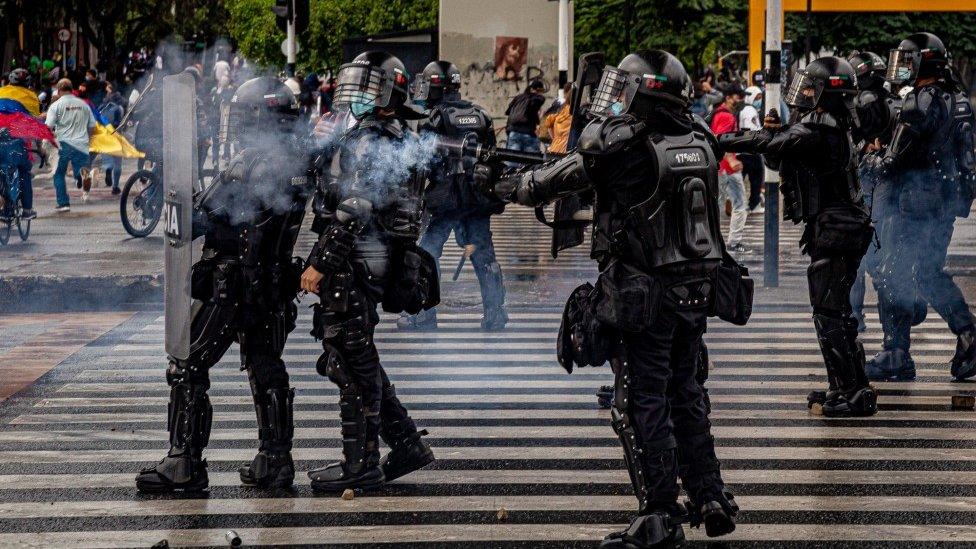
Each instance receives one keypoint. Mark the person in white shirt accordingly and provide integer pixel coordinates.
(72, 122)
(750, 118)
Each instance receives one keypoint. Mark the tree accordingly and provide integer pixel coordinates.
(696, 31)
(252, 26)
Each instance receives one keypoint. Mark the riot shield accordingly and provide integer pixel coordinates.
(179, 173)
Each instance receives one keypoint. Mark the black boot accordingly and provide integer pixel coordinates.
(183, 468)
(651, 531)
(963, 365)
(273, 467)
(408, 452)
(709, 503)
(891, 365)
(849, 394)
(360, 468)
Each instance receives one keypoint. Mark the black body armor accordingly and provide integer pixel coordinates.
(451, 191)
(368, 162)
(877, 110)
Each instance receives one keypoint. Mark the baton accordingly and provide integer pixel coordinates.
(468, 250)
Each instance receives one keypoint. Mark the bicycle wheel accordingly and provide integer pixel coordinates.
(23, 225)
(141, 203)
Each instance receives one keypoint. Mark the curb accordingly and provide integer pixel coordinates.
(38, 293)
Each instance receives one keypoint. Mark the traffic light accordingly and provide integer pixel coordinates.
(297, 10)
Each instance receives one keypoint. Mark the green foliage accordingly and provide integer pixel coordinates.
(252, 26)
(697, 31)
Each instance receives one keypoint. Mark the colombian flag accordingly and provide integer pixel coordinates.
(24, 96)
(17, 119)
(105, 140)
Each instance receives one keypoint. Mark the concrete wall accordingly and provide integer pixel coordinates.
(467, 38)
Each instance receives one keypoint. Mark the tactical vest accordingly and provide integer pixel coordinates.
(953, 154)
(678, 221)
(397, 196)
(808, 188)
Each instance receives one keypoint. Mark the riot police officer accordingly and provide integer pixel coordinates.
(876, 109)
(452, 202)
(367, 215)
(927, 176)
(659, 246)
(243, 288)
(818, 164)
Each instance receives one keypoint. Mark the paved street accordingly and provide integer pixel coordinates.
(526, 459)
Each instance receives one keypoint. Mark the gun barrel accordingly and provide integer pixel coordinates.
(511, 155)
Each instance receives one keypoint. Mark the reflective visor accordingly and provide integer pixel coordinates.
(614, 94)
(902, 66)
(361, 85)
(802, 92)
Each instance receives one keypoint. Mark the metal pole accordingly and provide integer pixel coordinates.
(774, 31)
(563, 53)
(291, 46)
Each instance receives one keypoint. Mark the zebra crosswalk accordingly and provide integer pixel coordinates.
(525, 456)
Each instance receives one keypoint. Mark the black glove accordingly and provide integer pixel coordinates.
(484, 176)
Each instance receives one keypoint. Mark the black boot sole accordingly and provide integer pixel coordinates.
(166, 488)
(372, 481)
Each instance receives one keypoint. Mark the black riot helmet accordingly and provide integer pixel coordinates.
(440, 80)
(828, 82)
(869, 67)
(262, 111)
(373, 80)
(19, 77)
(921, 55)
(641, 82)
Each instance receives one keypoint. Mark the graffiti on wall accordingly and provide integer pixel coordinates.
(481, 85)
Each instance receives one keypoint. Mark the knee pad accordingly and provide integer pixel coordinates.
(331, 365)
(829, 285)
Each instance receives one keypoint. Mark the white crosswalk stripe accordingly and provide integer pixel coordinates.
(511, 430)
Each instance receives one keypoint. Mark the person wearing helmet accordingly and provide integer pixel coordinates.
(659, 246)
(927, 180)
(367, 218)
(818, 165)
(876, 109)
(243, 288)
(452, 201)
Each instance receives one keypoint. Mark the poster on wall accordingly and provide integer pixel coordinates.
(511, 53)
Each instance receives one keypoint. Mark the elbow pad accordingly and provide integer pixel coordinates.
(335, 245)
(745, 141)
(556, 179)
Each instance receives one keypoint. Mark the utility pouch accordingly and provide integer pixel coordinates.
(335, 291)
(627, 299)
(734, 290)
(582, 340)
(843, 230)
(414, 284)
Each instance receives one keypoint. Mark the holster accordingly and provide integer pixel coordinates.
(583, 340)
(733, 291)
(626, 298)
(414, 282)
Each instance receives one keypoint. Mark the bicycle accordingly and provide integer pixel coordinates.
(11, 207)
(144, 190)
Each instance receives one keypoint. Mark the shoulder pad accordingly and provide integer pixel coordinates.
(865, 98)
(961, 107)
(608, 135)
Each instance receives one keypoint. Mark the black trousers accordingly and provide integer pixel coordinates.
(752, 169)
(660, 406)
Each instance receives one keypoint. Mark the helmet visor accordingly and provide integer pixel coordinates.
(803, 91)
(615, 93)
(362, 88)
(903, 66)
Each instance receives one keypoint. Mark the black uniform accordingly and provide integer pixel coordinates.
(367, 215)
(876, 109)
(243, 288)
(658, 242)
(452, 203)
(928, 182)
(818, 165)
